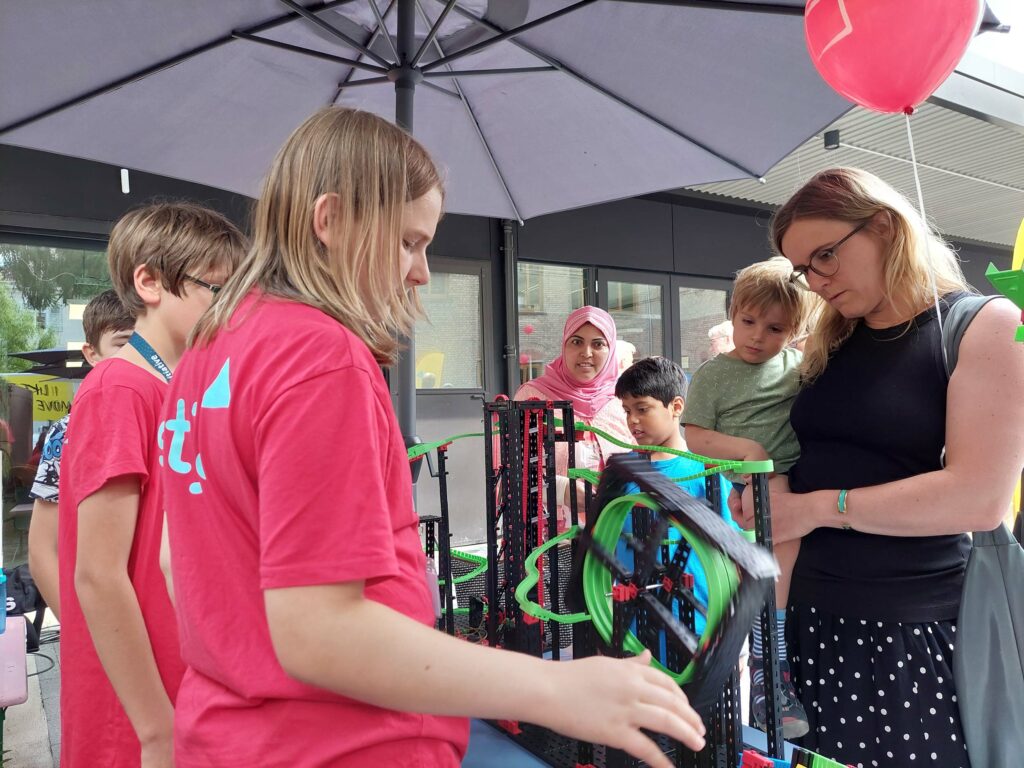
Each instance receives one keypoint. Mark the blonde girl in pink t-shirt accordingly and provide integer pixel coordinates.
(325, 636)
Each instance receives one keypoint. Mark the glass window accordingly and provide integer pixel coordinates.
(700, 309)
(547, 295)
(449, 343)
(42, 294)
(636, 308)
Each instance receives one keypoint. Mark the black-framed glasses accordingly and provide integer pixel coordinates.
(824, 263)
(211, 287)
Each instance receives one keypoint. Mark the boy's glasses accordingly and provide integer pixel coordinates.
(824, 263)
(208, 286)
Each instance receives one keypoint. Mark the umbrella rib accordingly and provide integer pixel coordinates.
(309, 52)
(369, 44)
(505, 34)
(158, 67)
(476, 124)
(350, 41)
(472, 72)
(367, 81)
(434, 30)
(383, 31)
(583, 79)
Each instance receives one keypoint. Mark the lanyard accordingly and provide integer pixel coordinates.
(152, 357)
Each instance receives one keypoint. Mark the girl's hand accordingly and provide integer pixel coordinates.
(608, 701)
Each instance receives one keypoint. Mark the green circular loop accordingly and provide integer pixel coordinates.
(722, 578)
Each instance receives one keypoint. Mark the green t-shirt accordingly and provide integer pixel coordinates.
(739, 399)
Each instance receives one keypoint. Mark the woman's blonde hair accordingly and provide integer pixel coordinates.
(912, 250)
(374, 168)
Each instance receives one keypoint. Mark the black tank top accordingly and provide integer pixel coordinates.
(877, 414)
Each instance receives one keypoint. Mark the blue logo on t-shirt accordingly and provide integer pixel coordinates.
(217, 395)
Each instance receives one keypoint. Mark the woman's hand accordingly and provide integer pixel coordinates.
(791, 514)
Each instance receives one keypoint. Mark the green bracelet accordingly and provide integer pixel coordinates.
(842, 508)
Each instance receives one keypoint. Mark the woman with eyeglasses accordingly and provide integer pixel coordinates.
(876, 588)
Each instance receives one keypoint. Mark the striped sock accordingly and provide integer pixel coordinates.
(757, 647)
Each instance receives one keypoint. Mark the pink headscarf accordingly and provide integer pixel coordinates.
(559, 384)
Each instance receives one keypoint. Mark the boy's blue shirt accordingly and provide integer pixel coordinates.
(675, 468)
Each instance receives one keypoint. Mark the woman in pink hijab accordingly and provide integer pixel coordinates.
(584, 374)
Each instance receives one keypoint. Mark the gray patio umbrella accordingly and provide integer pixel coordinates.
(63, 363)
(531, 106)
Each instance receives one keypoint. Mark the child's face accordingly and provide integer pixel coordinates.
(585, 353)
(195, 299)
(760, 334)
(419, 222)
(110, 341)
(650, 421)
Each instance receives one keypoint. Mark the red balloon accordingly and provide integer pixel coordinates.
(527, 329)
(889, 55)
(524, 359)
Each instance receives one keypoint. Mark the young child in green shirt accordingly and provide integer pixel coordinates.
(738, 408)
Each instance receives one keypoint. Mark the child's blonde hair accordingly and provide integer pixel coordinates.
(374, 168)
(172, 240)
(912, 251)
(767, 284)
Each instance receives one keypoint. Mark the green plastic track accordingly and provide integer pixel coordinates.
(719, 465)
(721, 575)
(533, 576)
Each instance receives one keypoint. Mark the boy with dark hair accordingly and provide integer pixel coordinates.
(107, 326)
(653, 395)
(120, 659)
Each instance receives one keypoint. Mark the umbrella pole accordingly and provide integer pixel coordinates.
(406, 77)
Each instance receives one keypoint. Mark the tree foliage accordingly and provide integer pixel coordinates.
(19, 332)
(49, 277)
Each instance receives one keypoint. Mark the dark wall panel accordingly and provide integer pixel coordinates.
(717, 243)
(630, 234)
(43, 190)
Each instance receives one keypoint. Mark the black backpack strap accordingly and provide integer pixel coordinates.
(954, 325)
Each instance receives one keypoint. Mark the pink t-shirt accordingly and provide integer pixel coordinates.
(285, 467)
(117, 410)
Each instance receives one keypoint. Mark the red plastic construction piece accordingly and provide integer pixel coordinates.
(512, 726)
(753, 760)
(667, 584)
(687, 580)
(624, 592)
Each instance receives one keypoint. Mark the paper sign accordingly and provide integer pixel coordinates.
(51, 397)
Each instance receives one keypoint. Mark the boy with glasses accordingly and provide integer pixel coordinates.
(738, 408)
(120, 659)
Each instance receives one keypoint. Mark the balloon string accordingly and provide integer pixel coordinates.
(927, 234)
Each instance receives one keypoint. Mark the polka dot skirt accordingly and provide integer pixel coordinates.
(876, 693)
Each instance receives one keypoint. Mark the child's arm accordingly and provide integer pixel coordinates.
(384, 658)
(707, 442)
(106, 529)
(42, 552)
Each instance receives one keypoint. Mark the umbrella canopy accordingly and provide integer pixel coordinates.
(51, 356)
(62, 363)
(532, 106)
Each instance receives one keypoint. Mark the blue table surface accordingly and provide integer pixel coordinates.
(489, 748)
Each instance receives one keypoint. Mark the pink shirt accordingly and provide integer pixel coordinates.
(611, 418)
(285, 467)
(112, 434)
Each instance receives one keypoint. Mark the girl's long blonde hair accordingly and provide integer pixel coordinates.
(374, 168)
(912, 251)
